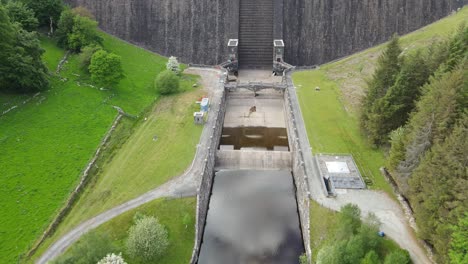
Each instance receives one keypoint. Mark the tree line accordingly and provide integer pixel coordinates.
(417, 104)
(21, 67)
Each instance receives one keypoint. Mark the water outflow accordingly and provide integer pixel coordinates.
(252, 219)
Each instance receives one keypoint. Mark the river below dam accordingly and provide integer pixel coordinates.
(252, 219)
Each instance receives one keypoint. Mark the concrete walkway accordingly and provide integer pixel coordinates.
(389, 212)
(181, 186)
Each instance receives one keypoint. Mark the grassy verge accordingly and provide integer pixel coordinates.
(331, 129)
(47, 142)
(323, 222)
(331, 114)
(170, 214)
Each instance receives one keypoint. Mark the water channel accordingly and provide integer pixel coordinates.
(252, 219)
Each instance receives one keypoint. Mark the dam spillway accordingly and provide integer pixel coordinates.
(252, 212)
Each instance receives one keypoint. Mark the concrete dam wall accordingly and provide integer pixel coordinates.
(314, 31)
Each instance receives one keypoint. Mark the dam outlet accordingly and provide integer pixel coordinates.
(253, 213)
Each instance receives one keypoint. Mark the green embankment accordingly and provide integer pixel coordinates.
(47, 142)
(141, 163)
(331, 114)
(170, 213)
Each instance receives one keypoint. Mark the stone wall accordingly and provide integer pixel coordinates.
(314, 31)
(318, 31)
(204, 191)
(299, 174)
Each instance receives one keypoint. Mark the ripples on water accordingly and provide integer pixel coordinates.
(252, 219)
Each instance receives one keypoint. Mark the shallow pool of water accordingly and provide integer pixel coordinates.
(263, 137)
(252, 219)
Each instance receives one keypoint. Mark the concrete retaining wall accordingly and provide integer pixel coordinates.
(253, 160)
(204, 191)
(299, 174)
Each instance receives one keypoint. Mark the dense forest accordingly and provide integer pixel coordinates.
(417, 102)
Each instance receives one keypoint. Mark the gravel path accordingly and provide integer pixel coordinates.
(181, 186)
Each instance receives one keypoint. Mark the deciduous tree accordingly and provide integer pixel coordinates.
(147, 239)
(84, 33)
(20, 13)
(106, 69)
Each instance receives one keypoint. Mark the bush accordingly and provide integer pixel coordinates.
(399, 256)
(84, 33)
(106, 68)
(86, 55)
(147, 239)
(112, 259)
(167, 82)
(90, 249)
(173, 65)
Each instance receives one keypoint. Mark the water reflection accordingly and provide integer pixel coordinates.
(252, 219)
(266, 137)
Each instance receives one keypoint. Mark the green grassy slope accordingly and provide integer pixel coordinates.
(170, 214)
(47, 142)
(331, 114)
(141, 163)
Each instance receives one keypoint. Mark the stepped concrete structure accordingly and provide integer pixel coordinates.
(256, 34)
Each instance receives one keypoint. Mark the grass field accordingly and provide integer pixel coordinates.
(170, 214)
(331, 114)
(47, 142)
(141, 163)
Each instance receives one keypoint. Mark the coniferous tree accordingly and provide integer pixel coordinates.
(392, 110)
(388, 67)
(438, 189)
(442, 103)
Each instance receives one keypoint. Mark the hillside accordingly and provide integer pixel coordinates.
(435, 187)
(65, 125)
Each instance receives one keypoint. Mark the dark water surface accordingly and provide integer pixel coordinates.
(266, 137)
(252, 219)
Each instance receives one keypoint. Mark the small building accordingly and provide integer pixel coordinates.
(204, 105)
(198, 118)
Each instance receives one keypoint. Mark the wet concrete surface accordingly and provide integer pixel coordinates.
(252, 219)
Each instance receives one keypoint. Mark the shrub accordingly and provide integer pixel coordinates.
(112, 259)
(106, 68)
(173, 65)
(147, 239)
(167, 82)
(398, 256)
(86, 55)
(89, 249)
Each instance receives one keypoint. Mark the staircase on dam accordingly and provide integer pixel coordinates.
(256, 34)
